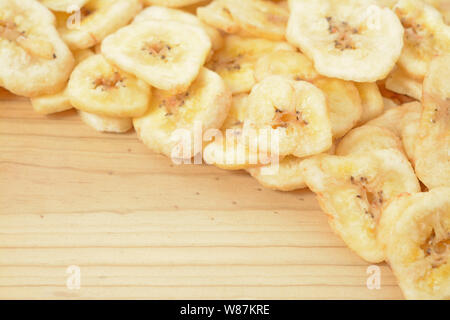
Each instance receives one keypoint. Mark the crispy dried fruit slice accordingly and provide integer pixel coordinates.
(33, 59)
(106, 124)
(426, 36)
(63, 5)
(236, 61)
(171, 3)
(97, 86)
(371, 101)
(351, 39)
(257, 18)
(431, 155)
(166, 54)
(400, 82)
(353, 190)
(206, 103)
(295, 112)
(415, 229)
(88, 26)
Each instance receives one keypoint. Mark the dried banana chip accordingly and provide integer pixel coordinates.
(63, 5)
(34, 60)
(353, 190)
(415, 229)
(166, 54)
(171, 3)
(351, 39)
(371, 101)
(400, 82)
(98, 87)
(106, 124)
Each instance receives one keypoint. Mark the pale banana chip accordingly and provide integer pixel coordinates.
(415, 230)
(205, 104)
(431, 155)
(294, 112)
(400, 82)
(353, 190)
(63, 5)
(166, 54)
(349, 39)
(371, 101)
(426, 36)
(98, 87)
(257, 18)
(106, 124)
(171, 3)
(34, 60)
(443, 7)
(236, 61)
(88, 26)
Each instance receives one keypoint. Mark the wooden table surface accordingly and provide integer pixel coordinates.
(140, 227)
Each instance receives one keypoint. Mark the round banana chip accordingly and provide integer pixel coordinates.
(294, 112)
(426, 36)
(431, 156)
(351, 39)
(86, 26)
(163, 13)
(353, 190)
(171, 3)
(203, 106)
(58, 102)
(416, 232)
(400, 82)
(34, 60)
(236, 61)
(106, 124)
(367, 138)
(443, 6)
(371, 101)
(63, 5)
(166, 54)
(96, 86)
(257, 18)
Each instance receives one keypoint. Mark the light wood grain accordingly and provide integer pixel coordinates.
(140, 227)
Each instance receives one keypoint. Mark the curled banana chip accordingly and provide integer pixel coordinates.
(351, 40)
(86, 26)
(166, 54)
(366, 138)
(426, 36)
(400, 82)
(295, 112)
(256, 18)
(431, 155)
(371, 101)
(353, 190)
(415, 229)
(58, 102)
(171, 3)
(205, 104)
(106, 124)
(236, 61)
(98, 87)
(163, 13)
(63, 5)
(34, 60)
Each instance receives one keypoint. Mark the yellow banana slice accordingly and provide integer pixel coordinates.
(57, 102)
(238, 111)
(33, 59)
(163, 13)
(350, 39)
(206, 103)
(353, 190)
(256, 18)
(106, 124)
(63, 5)
(171, 3)
(293, 111)
(366, 138)
(371, 101)
(432, 159)
(88, 26)
(96, 86)
(166, 54)
(344, 104)
(443, 6)
(236, 61)
(416, 232)
(400, 82)
(426, 36)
